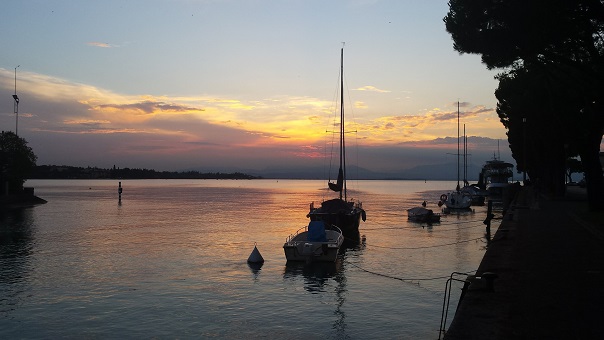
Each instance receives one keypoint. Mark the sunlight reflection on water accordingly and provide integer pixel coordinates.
(170, 261)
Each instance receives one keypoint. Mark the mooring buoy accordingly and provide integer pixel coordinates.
(255, 256)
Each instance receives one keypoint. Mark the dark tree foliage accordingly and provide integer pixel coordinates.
(17, 160)
(552, 53)
(72, 172)
(533, 106)
(533, 31)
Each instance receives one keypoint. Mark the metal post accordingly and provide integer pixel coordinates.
(524, 150)
(487, 221)
(16, 98)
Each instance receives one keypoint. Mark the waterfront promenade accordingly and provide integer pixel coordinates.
(548, 255)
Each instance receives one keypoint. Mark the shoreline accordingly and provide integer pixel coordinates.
(549, 265)
(12, 202)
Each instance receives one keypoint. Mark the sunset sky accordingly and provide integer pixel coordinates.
(225, 84)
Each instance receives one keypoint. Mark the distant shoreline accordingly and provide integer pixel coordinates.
(72, 172)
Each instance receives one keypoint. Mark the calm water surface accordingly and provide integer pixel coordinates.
(170, 261)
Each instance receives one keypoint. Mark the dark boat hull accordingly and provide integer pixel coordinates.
(344, 215)
(425, 218)
(340, 212)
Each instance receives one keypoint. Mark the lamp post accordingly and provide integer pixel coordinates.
(524, 149)
(16, 98)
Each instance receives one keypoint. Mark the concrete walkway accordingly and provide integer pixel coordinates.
(549, 259)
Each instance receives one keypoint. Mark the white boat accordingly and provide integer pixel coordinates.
(344, 213)
(495, 176)
(317, 242)
(456, 200)
(423, 215)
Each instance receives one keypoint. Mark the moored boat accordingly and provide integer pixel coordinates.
(495, 176)
(456, 200)
(476, 195)
(316, 242)
(422, 215)
(344, 213)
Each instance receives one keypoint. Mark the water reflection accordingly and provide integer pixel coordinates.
(315, 274)
(459, 212)
(84, 261)
(339, 324)
(255, 268)
(357, 242)
(316, 281)
(16, 236)
(16, 243)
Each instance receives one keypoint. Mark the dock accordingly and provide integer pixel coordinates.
(548, 259)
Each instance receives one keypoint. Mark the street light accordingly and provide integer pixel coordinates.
(524, 149)
(16, 98)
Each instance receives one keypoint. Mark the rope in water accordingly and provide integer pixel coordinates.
(426, 247)
(436, 229)
(400, 278)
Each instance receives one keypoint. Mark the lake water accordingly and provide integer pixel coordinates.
(170, 261)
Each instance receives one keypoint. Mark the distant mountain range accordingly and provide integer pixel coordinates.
(446, 171)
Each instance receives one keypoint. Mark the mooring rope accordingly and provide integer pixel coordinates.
(401, 278)
(436, 227)
(426, 247)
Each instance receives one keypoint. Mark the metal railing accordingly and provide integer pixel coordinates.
(447, 299)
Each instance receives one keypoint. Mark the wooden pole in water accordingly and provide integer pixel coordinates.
(487, 221)
(119, 191)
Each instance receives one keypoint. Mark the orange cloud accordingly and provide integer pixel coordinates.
(371, 89)
(280, 120)
(100, 44)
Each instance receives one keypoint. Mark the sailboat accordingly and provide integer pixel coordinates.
(456, 200)
(473, 190)
(341, 212)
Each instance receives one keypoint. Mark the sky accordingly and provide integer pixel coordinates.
(232, 84)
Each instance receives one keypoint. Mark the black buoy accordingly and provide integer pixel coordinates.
(255, 256)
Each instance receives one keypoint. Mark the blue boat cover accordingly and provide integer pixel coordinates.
(316, 232)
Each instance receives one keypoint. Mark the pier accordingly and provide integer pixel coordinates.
(548, 260)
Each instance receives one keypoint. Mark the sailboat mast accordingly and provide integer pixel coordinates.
(458, 145)
(342, 144)
(465, 156)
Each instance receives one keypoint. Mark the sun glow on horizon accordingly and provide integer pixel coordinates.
(299, 126)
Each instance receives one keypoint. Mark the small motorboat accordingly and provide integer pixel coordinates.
(422, 214)
(317, 242)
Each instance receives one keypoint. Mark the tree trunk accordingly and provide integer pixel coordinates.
(590, 156)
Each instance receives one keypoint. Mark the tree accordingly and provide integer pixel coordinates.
(534, 106)
(535, 31)
(17, 161)
(556, 46)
